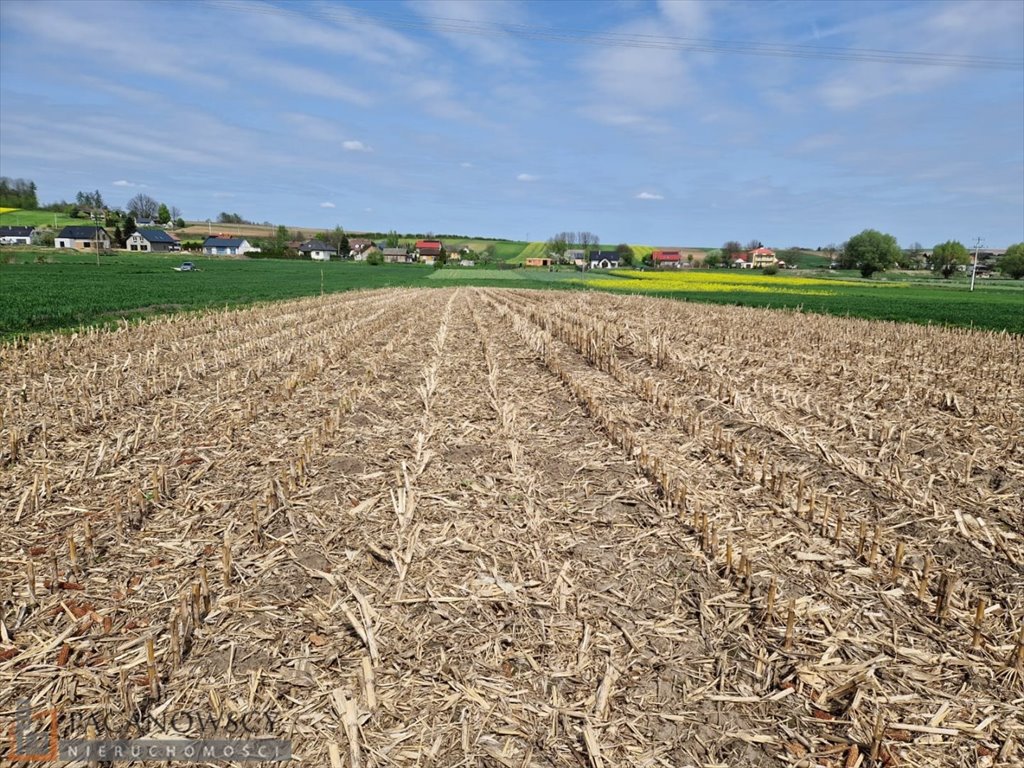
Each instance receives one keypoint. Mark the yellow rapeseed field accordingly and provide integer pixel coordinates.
(8, 210)
(717, 282)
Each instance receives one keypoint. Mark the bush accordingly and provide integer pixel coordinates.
(375, 258)
(771, 269)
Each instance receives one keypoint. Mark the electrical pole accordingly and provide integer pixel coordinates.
(974, 270)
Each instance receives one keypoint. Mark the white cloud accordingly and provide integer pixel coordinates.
(526, 177)
(327, 205)
(126, 183)
(465, 165)
(650, 196)
(356, 146)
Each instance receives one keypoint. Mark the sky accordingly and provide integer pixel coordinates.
(658, 123)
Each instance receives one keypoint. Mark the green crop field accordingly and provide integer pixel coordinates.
(21, 218)
(69, 289)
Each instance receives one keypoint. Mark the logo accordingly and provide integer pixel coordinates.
(33, 735)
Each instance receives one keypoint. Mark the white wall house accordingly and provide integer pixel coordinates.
(152, 240)
(82, 238)
(227, 246)
(318, 250)
(16, 235)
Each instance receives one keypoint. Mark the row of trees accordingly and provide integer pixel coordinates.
(560, 244)
(872, 251)
(18, 193)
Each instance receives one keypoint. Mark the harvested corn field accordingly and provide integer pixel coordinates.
(504, 528)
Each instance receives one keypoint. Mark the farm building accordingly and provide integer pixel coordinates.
(318, 250)
(227, 246)
(396, 255)
(664, 259)
(363, 254)
(82, 238)
(16, 235)
(537, 261)
(153, 240)
(603, 260)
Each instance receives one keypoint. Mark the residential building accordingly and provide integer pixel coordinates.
(762, 257)
(603, 260)
(16, 235)
(227, 246)
(82, 238)
(152, 240)
(359, 245)
(666, 259)
(537, 261)
(318, 250)
(428, 249)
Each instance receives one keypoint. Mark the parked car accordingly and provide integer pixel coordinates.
(187, 266)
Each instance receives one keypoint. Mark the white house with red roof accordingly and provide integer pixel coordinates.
(667, 259)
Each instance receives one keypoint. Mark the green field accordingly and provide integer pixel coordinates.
(69, 289)
(20, 218)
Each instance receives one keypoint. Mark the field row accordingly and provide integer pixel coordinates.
(487, 526)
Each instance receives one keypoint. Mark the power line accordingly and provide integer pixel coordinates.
(620, 40)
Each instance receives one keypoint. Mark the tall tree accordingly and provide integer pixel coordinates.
(730, 248)
(391, 239)
(948, 256)
(1012, 263)
(163, 214)
(143, 206)
(872, 251)
(128, 227)
(753, 245)
(625, 254)
(175, 212)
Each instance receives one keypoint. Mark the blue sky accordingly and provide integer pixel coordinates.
(522, 119)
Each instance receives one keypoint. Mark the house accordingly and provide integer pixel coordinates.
(152, 240)
(604, 260)
(16, 235)
(318, 250)
(363, 254)
(429, 249)
(741, 260)
(666, 259)
(576, 256)
(537, 261)
(358, 245)
(396, 255)
(145, 221)
(219, 245)
(82, 238)
(762, 257)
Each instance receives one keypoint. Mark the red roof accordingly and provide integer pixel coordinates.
(428, 244)
(762, 251)
(666, 256)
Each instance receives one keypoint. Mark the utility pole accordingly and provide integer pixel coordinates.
(974, 270)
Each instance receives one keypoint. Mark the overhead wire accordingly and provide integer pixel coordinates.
(622, 40)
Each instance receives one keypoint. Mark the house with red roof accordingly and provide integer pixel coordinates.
(762, 257)
(667, 259)
(428, 250)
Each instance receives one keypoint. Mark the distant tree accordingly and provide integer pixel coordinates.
(128, 227)
(729, 250)
(753, 245)
(586, 240)
(1012, 263)
(872, 251)
(179, 223)
(143, 206)
(230, 218)
(625, 254)
(175, 212)
(912, 257)
(442, 259)
(18, 193)
(947, 256)
(163, 214)
(119, 238)
(89, 200)
(338, 239)
(830, 250)
(557, 245)
(391, 239)
(713, 258)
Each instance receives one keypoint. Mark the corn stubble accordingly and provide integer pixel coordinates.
(490, 527)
